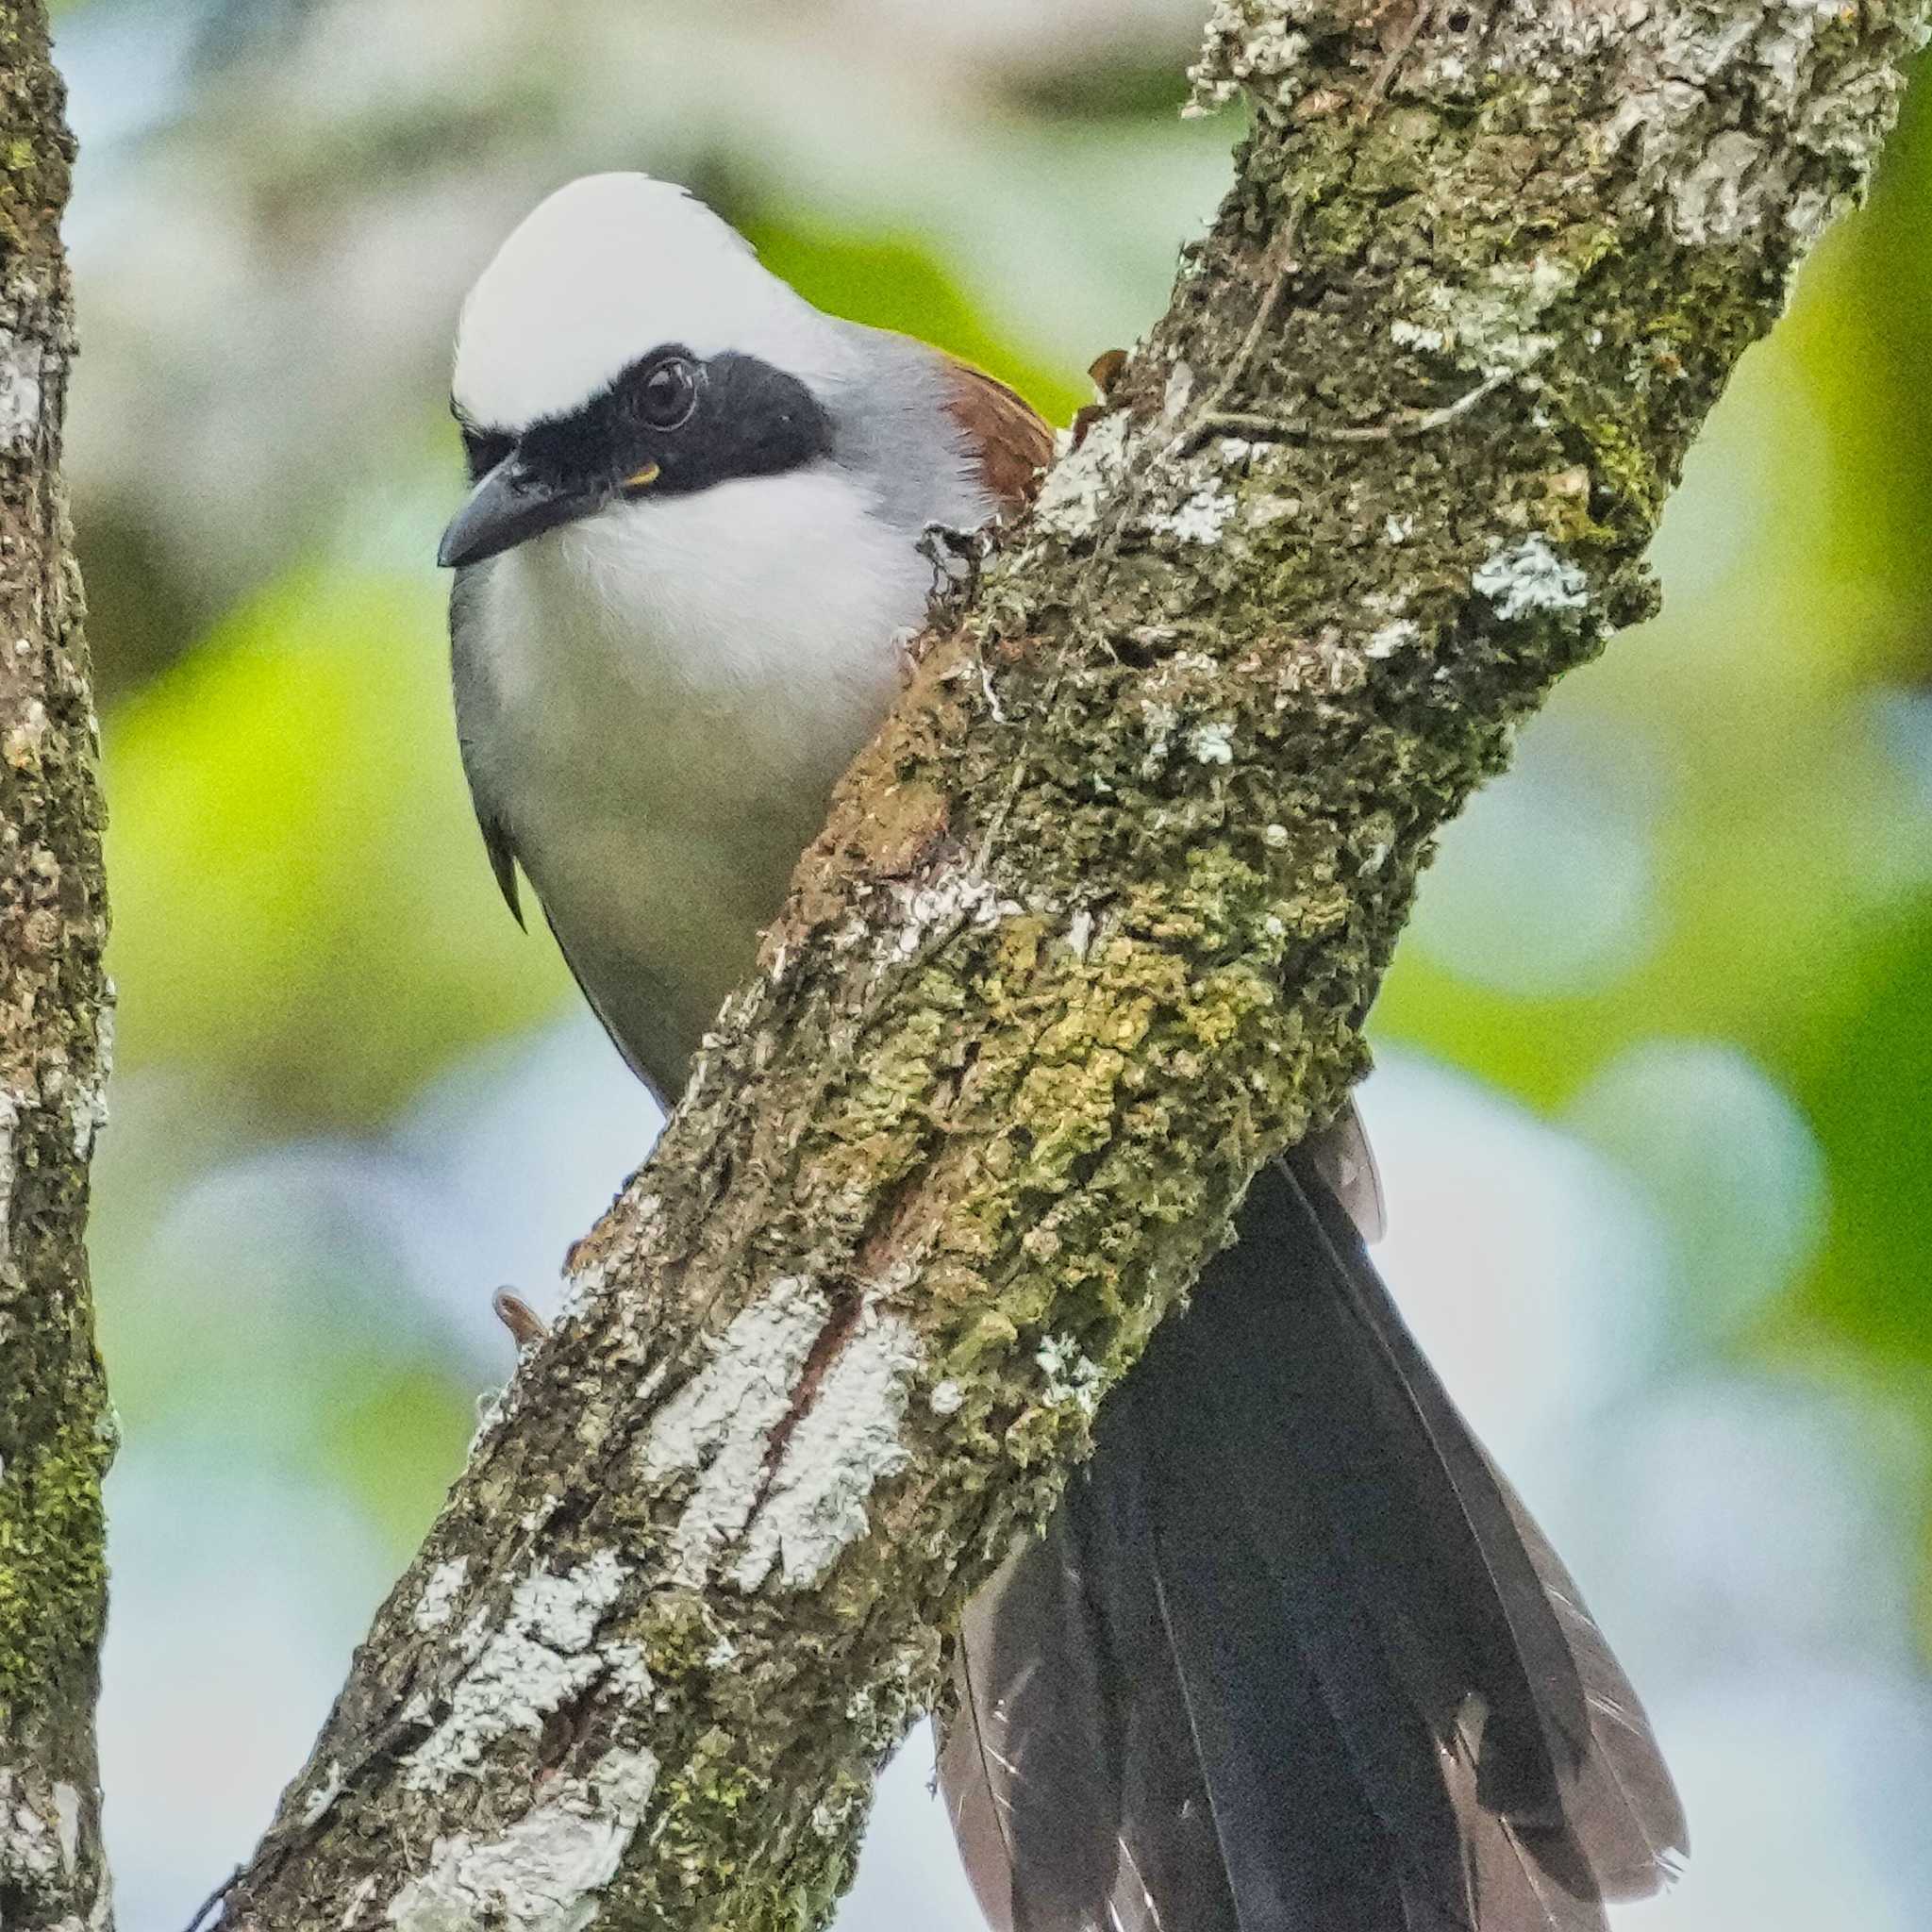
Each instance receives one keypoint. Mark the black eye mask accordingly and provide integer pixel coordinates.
(671, 424)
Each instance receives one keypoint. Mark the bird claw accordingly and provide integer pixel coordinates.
(956, 558)
(526, 1326)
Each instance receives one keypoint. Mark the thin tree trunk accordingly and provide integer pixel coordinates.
(56, 1430)
(1092, 934)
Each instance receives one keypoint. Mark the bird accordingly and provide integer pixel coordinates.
(1290, 1655)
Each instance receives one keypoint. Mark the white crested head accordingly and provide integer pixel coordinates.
(604, 272)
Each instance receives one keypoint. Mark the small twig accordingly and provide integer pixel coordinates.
(1258, 426)
(215, 1898)
(959, 672)
(993, 707)
(1424, 13)
(1281, 267)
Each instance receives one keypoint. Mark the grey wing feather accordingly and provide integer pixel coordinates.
(655, 1088)
(503, 862)
(503, 859)
(1621, 1808)
(1509, 1889)
(497, 840)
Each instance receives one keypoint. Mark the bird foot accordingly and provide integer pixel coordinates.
(526, 1326)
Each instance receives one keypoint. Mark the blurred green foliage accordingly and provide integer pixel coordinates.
(300, 899)
(893, 281)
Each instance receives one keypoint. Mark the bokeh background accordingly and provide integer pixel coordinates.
(1655, 1098)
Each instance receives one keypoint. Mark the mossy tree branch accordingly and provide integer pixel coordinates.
(56, 1435)
(1092, 934)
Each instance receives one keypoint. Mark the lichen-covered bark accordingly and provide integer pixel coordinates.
(1093, 932)
(55, 1433)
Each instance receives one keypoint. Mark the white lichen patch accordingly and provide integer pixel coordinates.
(832, 1819)
(317, 1804)
(1250, 45)
(1529, 579)
(1267, 508)
(21, 365)
(581, 1287)
(1738, 114)
(629, 1674)
(845, 1444)
(543, 1872)
(1177, 393)
(1392, 637)
(33, 1848)
(26, 738)
(957, 899)
(1202, 517)
(1490, 329)
(1415, 335)
(1073, 1379)
(66, 1824)
(948, 1397)
(1211, 743)
(543, 1654)
(474, 1634)
(719, 1424)
(882, 1708)
(1158, 721)
(439, 1594)
(584, 1284)
(1726, 196)
(1081, 484)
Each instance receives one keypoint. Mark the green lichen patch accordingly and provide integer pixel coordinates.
(53, 1571)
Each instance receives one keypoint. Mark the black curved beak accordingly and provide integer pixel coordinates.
(509, 507)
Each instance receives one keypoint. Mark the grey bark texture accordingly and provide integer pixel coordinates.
(1092, 933)
(55, 1431)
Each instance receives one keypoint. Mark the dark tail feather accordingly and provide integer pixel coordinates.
(1624, 1820)
(1056, 1697)
(1269, 1663)
(1046, 1719)
(1619, 1803)
(1291, 1656)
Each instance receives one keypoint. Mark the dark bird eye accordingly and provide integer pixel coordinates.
(669, 394)
(484, 451)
